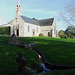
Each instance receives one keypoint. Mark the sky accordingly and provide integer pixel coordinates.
(39, 9)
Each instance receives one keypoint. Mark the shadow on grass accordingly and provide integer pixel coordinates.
(57, 51)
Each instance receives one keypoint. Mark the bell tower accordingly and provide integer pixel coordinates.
(18, 8)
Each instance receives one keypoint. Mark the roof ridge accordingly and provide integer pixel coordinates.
(29, 20)
(46, 19)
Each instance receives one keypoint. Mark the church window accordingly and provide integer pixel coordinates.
(28, 28)
(37, 29)
(16, 19)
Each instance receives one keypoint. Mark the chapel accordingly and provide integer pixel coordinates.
(26, 27)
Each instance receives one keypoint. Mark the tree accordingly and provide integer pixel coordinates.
(61, 34)
(4, 30)
(70, 31)
(34, 18)
(68, 15)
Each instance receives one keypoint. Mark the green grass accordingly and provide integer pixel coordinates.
(58, 51)
(65, 72)
(8, 54)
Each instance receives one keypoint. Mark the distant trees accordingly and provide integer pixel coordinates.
(68, 17)
(4, 31)
(34, 18)
(61, 34)
(70, 31)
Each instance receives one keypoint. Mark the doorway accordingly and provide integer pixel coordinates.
(9, 33)
(48, 33)
(33, 33)
(17, 32)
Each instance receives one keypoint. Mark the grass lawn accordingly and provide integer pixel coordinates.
(8, 54)
(58, 51)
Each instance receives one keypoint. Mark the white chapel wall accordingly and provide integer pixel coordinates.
(54, 29)
(32, 28)
(18, 24)
(45, 29)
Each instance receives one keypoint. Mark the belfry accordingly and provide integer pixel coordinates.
(18, 8)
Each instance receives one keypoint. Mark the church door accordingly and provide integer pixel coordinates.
(17, 32)
(48, 33)
(9, 33)
(33, 33)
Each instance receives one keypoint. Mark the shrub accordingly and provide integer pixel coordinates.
(4, 30)
(41, 34)
(63, 36)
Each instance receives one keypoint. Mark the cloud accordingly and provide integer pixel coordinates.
(41, 11)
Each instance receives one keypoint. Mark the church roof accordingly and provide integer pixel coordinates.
(29, 20)
(44, 22)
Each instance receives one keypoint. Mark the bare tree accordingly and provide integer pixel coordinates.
(68, 15)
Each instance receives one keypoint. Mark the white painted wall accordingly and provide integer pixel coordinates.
(32, 28)
(18, 24)
(46, 29)
(23, 28)
(54, 29)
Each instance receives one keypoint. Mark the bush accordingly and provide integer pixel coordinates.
(41, 34)
(4, 30)
(63, 36)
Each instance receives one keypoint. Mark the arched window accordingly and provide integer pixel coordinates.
(37, 29)
(28, 28)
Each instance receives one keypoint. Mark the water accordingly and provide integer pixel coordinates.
(45, 69)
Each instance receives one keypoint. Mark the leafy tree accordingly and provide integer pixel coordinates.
(70, 31)
(60, 33)
(34, 18)
(4, 31)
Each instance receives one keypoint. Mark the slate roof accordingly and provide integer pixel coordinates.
(29, 20)
(44, 22)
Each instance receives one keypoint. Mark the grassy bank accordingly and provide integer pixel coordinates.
(58, 51)
(8, 54)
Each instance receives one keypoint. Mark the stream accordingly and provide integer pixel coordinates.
(47, 66)
(45, 69)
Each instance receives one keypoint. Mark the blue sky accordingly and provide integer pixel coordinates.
(39, 9)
